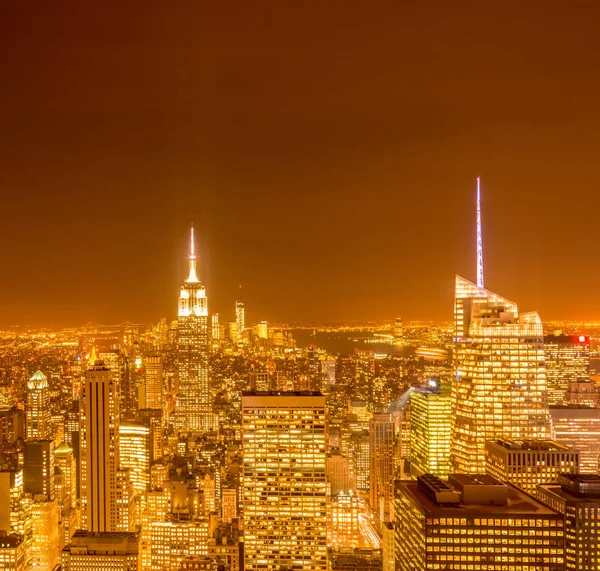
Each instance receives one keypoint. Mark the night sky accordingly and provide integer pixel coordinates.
(325, 150)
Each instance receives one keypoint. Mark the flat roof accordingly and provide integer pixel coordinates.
(519, 504)
(510, 444)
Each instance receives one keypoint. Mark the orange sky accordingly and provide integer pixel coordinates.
(326, 151)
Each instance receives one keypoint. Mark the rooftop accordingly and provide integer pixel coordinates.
(517, 503)
(510, 444)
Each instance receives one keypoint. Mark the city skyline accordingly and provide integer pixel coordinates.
(347, 153)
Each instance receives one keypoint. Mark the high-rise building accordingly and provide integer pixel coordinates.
(343, 522)
(527, 463)
(153, 383)
(12, 553)
(46, 539)
(360, 457)
(95, 551)
(240, 318)
(388, 546)
(473, 522)
(338, 473)
(582, 392)
(398, 332)
(431, 430)
(215, 327)
(134, 447)
(500, 386)
(193, 408)
(38, 425)
(38, 469)
(567, 359)
(99, 430)
(579, 428)
(284, 502)
(381, 468)
(66, 490)
(577, 497)
(262, 330)
(174, 540)
(12, 509)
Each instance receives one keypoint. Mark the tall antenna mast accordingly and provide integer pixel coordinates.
(479, 239)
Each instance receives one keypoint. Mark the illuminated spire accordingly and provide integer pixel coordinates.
(192, 276)
(479, 239)
(93, 357)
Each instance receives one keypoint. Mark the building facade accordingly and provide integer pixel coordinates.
(528, 463)
(284, 486)
(473, 522)
(431, 432)
(567, 359)
(500, 384)
(193, 408)
(99, 454)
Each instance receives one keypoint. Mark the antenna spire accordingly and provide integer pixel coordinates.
(479, 238)
(193, 275)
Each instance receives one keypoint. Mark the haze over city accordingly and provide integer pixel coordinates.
(327, 154)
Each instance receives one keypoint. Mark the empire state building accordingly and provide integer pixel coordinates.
(193, 408)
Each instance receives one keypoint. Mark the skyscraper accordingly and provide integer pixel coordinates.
(193, 408)
(240, 318)
(500, 386)
(381, 469)
(284, 487)
(577, 497)
(567, 360)
(579, 427)
(527, 463)
(430, 426)
(38, 408)
(99, 429)
(154, 383)
(474, 522)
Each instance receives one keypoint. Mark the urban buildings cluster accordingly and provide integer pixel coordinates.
(200, 444)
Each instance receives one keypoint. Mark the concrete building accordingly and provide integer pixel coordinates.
(577, 497)
(528, 463)
(473, 522)
(284, 502)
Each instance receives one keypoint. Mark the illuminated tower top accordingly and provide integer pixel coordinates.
(192, 296)
(192, 276)
(479, 239)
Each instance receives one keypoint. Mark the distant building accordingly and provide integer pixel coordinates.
(99, 430)
(381, 466)
(567, 360)
(343, 524)
(262, 330)
(95, 551)
(134, 453)
(398, 332)
(240, 318)
(473, 522)
(577, 497)
(153, 383)
(528, 463)
(338, 473)
(582, 393)
(12, 553)
(38, 425)
(579, 427)
(431, 431)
